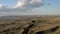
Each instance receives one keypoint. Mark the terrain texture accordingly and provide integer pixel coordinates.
(30, 25)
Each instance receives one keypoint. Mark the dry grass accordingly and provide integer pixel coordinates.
(43, 23)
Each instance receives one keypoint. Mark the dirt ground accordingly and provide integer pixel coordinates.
(29, 25)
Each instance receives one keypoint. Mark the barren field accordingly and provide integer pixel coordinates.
(30, 25)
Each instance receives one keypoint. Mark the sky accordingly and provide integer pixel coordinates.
(29, 7)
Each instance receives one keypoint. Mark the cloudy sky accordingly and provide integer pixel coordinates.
(29, 7)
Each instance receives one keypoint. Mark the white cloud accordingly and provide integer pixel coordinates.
(22, 5)
(28, 4)
(2, 6)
